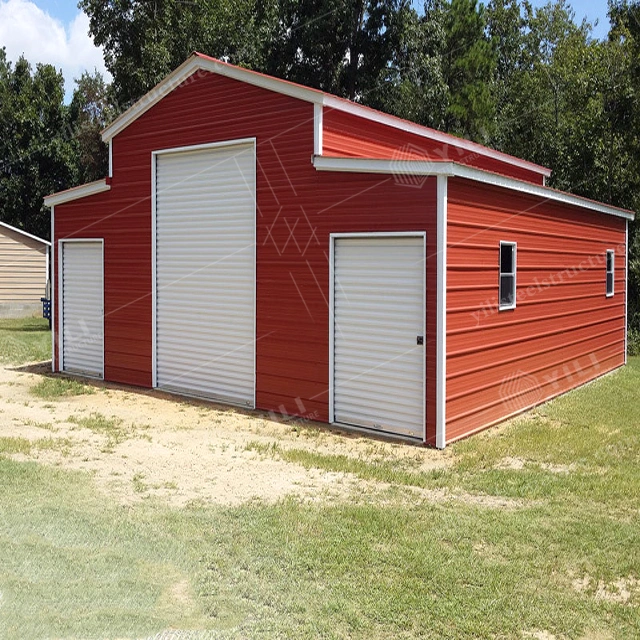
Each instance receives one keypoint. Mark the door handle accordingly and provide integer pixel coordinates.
(420, 340)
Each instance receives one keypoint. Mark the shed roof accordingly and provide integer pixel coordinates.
(24, 233)
(198, 61)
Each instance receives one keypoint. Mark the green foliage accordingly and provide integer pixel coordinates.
(90, 111)
(36, 155)
(469, 63)
(56, 388)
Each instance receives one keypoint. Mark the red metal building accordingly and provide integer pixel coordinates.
(268, 245)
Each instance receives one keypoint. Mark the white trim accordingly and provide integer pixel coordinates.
(375, 165)
(432, 134)
(54, 324)
(626, 289)
(204, 146)
(332, 320)
(47, 269)
(60, 290)
(375, 234)
(611, 252)
(24, 233)
(317, 129)
(61, 244)
(154, 275)
(453, 169)
(514, 273)
(76, 193)
(471, 173)
(441, 313)
(111, 158)
(197, 62)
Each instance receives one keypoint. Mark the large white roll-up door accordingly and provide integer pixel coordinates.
(82, 308)
(205, 272)
(378, 333)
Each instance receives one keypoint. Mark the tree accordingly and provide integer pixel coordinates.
(37, 155)
(469, 66)
(144, 40)
(90, 111)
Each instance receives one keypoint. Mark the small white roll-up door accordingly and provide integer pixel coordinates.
(378, 340)
(82, 308)
(205, 272)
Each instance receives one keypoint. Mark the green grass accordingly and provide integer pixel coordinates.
(112, 429)
(24, 340)
(73, 563)
(57, 388)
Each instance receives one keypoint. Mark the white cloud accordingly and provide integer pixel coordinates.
(27, 29)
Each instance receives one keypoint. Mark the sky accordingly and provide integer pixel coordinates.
(56, 32)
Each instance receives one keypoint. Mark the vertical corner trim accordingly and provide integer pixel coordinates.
(441, 324)
(332, 298)
(317, 129)
(626, 289)
(154, 275)
(52, 281)
(111, 158)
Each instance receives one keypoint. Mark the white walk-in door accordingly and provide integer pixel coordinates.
(82, 307)
(378, 333)
(205, 272)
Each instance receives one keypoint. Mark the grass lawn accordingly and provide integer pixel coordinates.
(540, 539)
(24, 340)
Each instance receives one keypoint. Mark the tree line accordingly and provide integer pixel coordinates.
(532, 82)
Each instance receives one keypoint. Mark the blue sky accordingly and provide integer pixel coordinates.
(56, 31)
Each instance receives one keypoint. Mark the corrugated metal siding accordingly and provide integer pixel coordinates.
(205, 270)
(23, 268)
(379, 289)
(564, 330)
(346, 135)
(82, 286)
(298, 207)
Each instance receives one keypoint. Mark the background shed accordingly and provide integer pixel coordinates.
(24, 272)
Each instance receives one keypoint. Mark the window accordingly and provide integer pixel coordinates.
(610, 262)
(507, 275)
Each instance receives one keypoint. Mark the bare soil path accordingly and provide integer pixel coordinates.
(151, 444)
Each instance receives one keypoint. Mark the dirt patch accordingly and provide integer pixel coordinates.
(139, 445)
(539, 635)
(517, 464)
(620, 591)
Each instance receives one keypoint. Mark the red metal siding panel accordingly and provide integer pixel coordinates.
(297, 209)
(346, 135)
(563, 332)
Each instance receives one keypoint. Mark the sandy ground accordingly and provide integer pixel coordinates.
(183, 451)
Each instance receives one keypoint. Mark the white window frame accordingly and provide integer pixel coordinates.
(514, 245)
(612, 253)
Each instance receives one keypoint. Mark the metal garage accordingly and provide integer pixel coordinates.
(82, 285)
(205, 271)
(378, 327)
(272, 246)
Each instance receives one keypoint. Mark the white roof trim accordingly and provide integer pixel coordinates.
(76, 193)
(24, 233)
(198, 62)
(420, 167)
(433, 134)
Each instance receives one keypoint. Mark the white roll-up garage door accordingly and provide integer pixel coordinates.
(82, 307)
(205, 272)
(378, 333)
